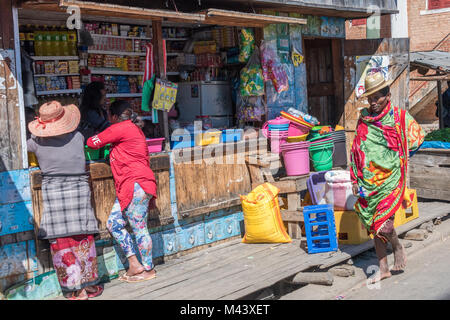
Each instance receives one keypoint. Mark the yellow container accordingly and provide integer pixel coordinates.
(32, 160)
(349, 229)
(297, 138)
(403, 215)
(206, 138)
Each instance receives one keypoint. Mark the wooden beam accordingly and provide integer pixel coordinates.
(221, 17)
(338, 79)
(440, 105)
(432, 78)
(6, 25)
(133, 11)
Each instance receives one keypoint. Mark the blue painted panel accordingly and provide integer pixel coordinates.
(18, 258)
(170, 242)
(158, 246)
(230, 227)
(16, 217)
(192, 235)
(15, 186)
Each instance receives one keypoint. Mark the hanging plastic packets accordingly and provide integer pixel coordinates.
(246, 44)
(273, 69)
(251, 109)
(252, 81)
(165, 95)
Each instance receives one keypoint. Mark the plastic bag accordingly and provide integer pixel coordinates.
(273, 69)
(246, 44)
(251, 109)
(252, 82)
(165, 95)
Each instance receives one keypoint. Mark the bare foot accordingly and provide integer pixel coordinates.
(378, 277)
(399, 258)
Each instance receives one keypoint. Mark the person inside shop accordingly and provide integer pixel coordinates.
(68, 220)
(445, 106)
(135, 187)
(94, 116)
(384, 135)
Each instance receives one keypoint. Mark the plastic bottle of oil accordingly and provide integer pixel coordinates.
(38, 41)
(55, 41)
(47, 41)
(72, 37)
(64, 42)
(29, 40)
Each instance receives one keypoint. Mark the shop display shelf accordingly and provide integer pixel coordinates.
(176, 39)
(173, 54)
(50, 92)
(56, 74)
(173, 73)
(119, 53)
(114, 72)
(120, 37)
(48, 58)
(123, 95)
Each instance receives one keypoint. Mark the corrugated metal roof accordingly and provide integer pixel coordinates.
(438, 60)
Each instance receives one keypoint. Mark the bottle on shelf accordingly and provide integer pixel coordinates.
(29, 40)
(54, 42)
(47, 41)
(72, 37)
(64, 42)
(22, 32)
(38, 42)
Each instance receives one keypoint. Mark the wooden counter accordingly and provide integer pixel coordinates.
(429, 173)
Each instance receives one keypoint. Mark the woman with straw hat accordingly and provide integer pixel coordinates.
(385, 135)
(68, 220)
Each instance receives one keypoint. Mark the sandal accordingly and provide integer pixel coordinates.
(135, 278)
(96, 293)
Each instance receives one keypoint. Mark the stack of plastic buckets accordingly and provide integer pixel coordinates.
(296, 158)
(321, 150)
(340, 148)
(277, 132)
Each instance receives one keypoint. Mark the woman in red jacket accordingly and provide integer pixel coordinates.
(135, 185)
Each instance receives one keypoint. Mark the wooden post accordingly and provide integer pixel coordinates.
(441, 119)
(159, 54)
(338, 77)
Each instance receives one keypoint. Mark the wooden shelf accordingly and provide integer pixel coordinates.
(115, 72)
(123, 95)
(51, 92)
(120, 37)
(47, 58)
(176, 39)
(173, 73)
(119, 53)
(56, 75)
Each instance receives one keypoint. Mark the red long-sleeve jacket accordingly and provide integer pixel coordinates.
(129, 159)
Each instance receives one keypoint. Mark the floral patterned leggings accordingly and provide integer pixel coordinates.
(136, 215)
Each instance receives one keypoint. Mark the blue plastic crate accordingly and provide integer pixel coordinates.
(320, 228)
(231, 135)
(182, 141)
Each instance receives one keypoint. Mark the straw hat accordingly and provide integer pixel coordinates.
(374, 82)
(55, 120)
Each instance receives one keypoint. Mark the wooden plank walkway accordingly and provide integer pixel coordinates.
(233, 269)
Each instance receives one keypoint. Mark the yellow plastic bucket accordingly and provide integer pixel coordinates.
(297, 138)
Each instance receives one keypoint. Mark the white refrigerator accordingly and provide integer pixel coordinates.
(203, 98)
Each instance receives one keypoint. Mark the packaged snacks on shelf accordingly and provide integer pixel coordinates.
(49, 67)
(62, 67)
(73, 66)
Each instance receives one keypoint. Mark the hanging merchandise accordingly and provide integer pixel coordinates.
(252, 81)
(246, 44)
(147, 93)
(251, 109)
(165, 95)
(273, 69)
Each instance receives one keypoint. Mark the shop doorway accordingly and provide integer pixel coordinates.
(321, 88)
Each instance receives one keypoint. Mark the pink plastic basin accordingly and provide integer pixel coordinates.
(154, 145)
(296, 129)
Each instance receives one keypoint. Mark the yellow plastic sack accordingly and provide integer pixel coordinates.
(262, 216)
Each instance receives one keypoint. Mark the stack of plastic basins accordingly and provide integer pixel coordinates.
(321, 152)
(278, 132)
(296, 158)
(340, 148)
(316, 185)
